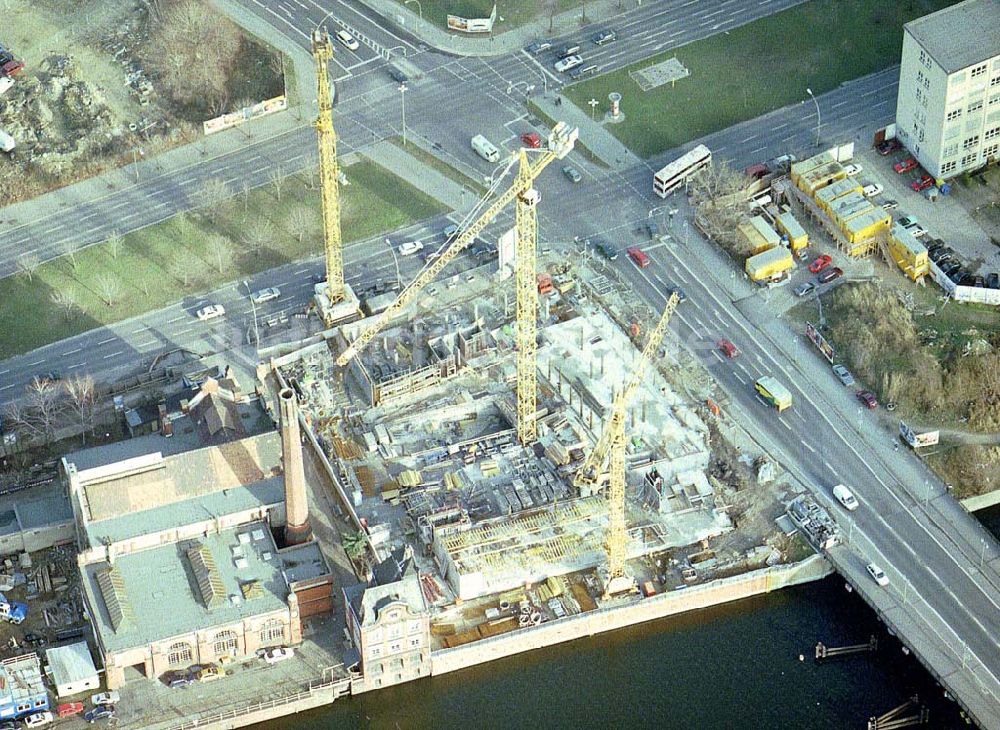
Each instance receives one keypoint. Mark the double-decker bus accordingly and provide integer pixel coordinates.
(677, 172)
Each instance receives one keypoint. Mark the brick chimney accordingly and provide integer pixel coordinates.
(297, 528)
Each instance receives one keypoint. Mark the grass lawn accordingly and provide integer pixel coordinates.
(166, 262)
(756, 68)
(474, 186)
(513, 12)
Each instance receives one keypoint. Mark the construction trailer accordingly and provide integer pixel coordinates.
(864, 228)
(759, 235)
(826, 196)
(798, 239)
(909, 254)
(769, 264)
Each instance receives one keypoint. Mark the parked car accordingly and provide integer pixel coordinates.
(38, 719)
(868, 399)
(210, 673)
(408, 248)
(532, 140)
(449, 230)
(993, 281)
(212, 311)
(398, 76)
(104, 712)
(853, 169)
(844, 375)
(906, 221)
(537, 47)
(571, 50)
(923, 183)
(603, 36)
(888, 147)
(565, 64)
(957, 274)
(820, 263)
(950, 267)
(178, 679)
(652, 228)
(348, 40)
(870, 191)
(105, 698)
(604, 246)
(69, 709)
(581, 71)
(905, 165)
(917, 230)
(279, 654)
(802, 289)
(889, 205)
(877, 574)
(728, 349)
(830, 274)
(265, 295)
(572, 173)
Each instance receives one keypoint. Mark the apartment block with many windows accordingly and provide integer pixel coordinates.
(948, 107)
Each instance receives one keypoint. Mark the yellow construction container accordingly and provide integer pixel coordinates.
(769, 264)
(800, 168)
(909, 254)
(798, 239)
(848, 207)
(865, 227)
(822, 176)
(826, 196)
(759, 235)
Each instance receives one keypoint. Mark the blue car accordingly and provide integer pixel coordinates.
(102, 712)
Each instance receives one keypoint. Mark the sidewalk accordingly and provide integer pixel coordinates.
(506, 41)
(301, 110)
(417, 173)
(593, 133)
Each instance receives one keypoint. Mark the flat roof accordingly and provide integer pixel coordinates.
(961, 35)
(303, 562)
(71, 663)
(161, 595)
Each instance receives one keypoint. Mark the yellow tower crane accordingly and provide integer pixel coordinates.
(610, 448)
(329, 173)
(560, 142)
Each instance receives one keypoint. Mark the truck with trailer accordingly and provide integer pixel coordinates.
(773, 393)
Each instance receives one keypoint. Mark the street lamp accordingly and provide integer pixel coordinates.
(420, 10)
(818, 118)
(593, 107)
(395, 261)
(253, 307)
(402, 101)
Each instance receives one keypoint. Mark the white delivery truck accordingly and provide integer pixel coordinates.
(7, 143)
(485, 149)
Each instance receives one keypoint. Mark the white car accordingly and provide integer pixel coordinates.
(105, 698)
(273, 656)
(845, 497)
(917, 230)
(348, 40)
(872, 190)
(565, 64)
(408, 248)
(265, 295)
(38, 719)
(877, 574)
(853, 169)
(212, 311)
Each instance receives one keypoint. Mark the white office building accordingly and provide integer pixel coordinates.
(948, 108)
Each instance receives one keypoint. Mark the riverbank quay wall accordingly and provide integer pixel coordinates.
(724, 590)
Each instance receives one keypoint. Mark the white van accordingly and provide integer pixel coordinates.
(485, 149)
(844, 496)
(348, 40)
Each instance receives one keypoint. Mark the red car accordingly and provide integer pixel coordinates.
(638, 256)
(868, 398)
(923, 183)
(830, 274)
(728, 349)
(888, 147)
(532, 140)
(69, 709)
(905, 166)
(820, 263)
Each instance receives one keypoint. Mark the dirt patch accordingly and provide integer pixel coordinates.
(116, 83)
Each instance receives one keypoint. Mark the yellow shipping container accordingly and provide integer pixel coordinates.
(866, 227)
(826, 196)
(769, 264)
(798, 239)
(802, 167)
(759, 235)
(909, 254)
(849, 207)
(813, 180)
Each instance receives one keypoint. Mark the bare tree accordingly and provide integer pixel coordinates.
(67, 247)
(114, 243)
(27, 264)
(245, 192)
(550, 7)
(221, 251)
(82, 401)
(184, 225)
(309, 174)
(43, 407)
(277, 64)
(213, 197)
(258, 234)
(185, 267)
(65, 300)
(109, 288)
(720, 194)
(300, 220)
(278, 177)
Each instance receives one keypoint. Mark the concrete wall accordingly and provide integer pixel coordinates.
(646, 609)
(982, 501)
(58, 533)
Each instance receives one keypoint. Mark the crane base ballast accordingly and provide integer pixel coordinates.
(344, 309)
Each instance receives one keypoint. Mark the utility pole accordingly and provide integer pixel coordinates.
(402, 101)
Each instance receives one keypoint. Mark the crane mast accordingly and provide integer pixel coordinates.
(322, 51)
(526, 221)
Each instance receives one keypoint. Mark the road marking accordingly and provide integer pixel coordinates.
(177, 319)
(809, 447)
(73, 352)
(104, 342)
(739, 378)
(748, 139)
(78, 365)
(113, 354)
(32, 364)
(151, 343)
(827, 465)
(6, 387)
(782, 422)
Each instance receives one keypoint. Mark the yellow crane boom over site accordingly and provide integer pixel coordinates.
(610, 447)
(322, 51)
(561, 140)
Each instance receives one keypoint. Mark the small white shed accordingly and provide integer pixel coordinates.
(72, 669)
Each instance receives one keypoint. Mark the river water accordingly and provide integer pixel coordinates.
(732, 666)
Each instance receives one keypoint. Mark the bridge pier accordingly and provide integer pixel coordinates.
(835, 652)
(893, 719)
